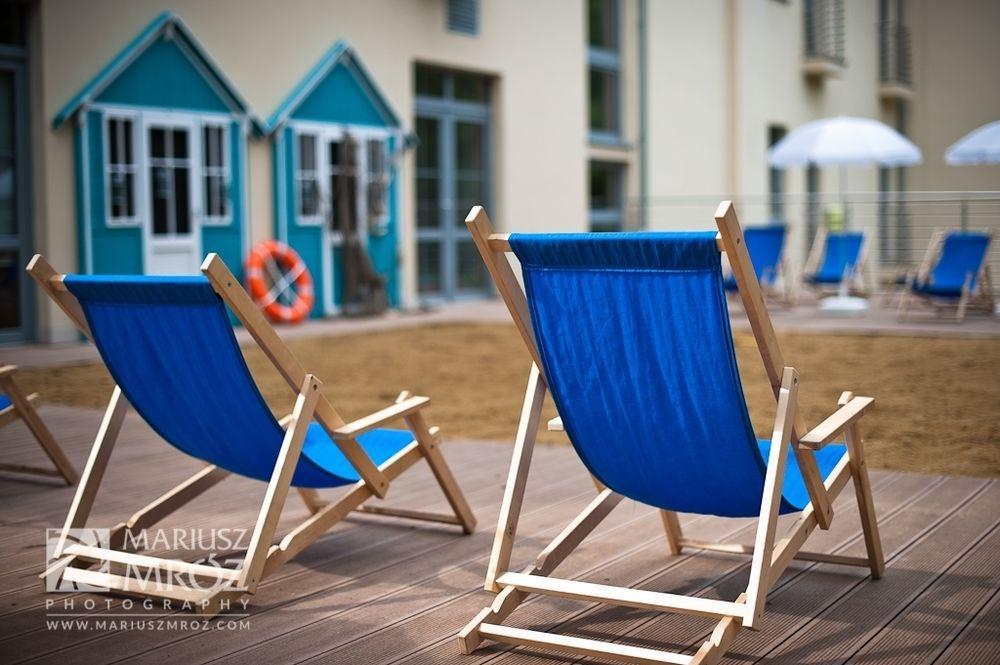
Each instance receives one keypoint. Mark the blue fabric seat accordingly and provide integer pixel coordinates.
(841, 254)
(168, 344)
(634, 339)
(4, 401)
(960, 259)
(765, 245)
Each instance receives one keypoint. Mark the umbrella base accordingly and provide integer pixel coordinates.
(843, 306)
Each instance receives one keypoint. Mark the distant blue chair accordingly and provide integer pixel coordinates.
(837, 258)
(169, 345)
(15, 405)
(766, 245)
(630, 332)
(954, 272)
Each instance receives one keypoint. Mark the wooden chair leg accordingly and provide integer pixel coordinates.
(439, 467)
(866, 505)
(672, 528)
(37, 427)
(277, 487)
(93, 472)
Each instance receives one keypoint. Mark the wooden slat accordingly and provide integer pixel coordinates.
(356, 428)
(131, 585)
(644, 600)
(622, 653)
(834, 425)
(86, 553)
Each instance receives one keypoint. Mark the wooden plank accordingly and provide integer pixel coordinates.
(836, 423)
(93, 472)
(517, 478)
(760, 567)
(409, 514)
(428, 443)
(277, 487)
(767, 343)
(925, 628)
(637, 598)
(504, 278)
(97, 554)
(133, 586)
(578, 646)
(37, 426)
(356, 428)
(866, 608)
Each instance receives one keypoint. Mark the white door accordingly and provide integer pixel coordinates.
(171, 234)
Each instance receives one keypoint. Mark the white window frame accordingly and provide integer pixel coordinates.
(316, 175)
(325, 133)
(381, 223)
(136, 169)
(224, 170)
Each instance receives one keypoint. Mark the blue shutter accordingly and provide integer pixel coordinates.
(463, 16)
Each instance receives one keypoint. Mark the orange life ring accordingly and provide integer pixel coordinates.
(279, 282)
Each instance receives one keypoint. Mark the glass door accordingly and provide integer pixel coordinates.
(453, 168)
(172, 244)
(15, 224)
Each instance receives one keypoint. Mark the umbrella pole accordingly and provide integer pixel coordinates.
(843, 193)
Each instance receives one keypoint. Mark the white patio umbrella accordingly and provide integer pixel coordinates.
(980, 146)
(844, 141)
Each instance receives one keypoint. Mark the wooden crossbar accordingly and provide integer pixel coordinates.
(579, 646)
(131, 585)
(612, 595)
(408, 514)
(87, 553)
(801, 555)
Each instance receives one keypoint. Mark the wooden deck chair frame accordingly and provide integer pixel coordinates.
(23, 407)
(981, 298)
(217, 587)
(770, 554)
(858, 281)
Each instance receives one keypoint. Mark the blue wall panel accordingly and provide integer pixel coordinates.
(163, 77)
(340, 98)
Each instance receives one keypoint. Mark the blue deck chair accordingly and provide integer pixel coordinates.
(15, 405)
(169, 346)
(766, 245)
(837, 258)
(954, 272)
(630, 334)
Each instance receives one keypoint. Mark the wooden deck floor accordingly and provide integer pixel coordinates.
(379, 590)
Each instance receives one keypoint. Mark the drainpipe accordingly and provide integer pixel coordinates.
(732, 112)
(643, 116)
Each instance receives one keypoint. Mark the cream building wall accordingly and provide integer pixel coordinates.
(535, 51)
(956, 82)
(719, 72)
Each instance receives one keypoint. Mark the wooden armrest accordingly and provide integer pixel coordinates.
(7, 370)
(827, 430)
(555, 425)
(354, 429)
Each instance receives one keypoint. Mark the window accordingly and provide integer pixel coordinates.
(604, 65)
(463, 16)
(307, 177)
(343, 173)
(121, 171)
(169, 175)
(215, 174)
(378, 181)
(776, 176)
(606, 180)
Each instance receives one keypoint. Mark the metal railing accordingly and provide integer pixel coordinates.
(894, 53)
(899, 224)
(824, 30)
